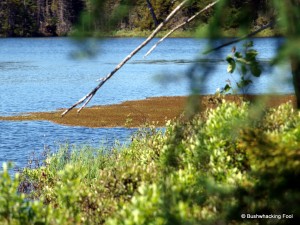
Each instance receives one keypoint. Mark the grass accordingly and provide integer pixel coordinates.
(200, 32)
(146, 33)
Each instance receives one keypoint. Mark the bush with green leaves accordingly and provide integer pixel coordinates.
(212, 168)
(230, 160)
(14, 206)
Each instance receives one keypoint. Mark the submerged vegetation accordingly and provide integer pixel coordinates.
(140, 112)
(232, 160)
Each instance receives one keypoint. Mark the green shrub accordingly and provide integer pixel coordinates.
(211, 170)
(14, 207)
(208, 170)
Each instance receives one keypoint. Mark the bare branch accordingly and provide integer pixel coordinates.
(90, 95)
(86, 102)
(179, 26)
(271, 24)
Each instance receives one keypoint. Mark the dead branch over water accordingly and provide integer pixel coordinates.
(179, 26)
(86, 99)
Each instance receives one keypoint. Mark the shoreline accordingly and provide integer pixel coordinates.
(200, 32)
(137, 113)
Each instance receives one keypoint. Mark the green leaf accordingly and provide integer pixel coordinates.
(232, 64)
(244, 83)
(255, 69)
(238, 55)
(247, 82)
(229, 59)
(251, 54)
(244, 69)
(242, 60)
(227, 88)
(231, 68)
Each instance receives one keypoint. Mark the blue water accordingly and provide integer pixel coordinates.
(20, 139)
(40, 74)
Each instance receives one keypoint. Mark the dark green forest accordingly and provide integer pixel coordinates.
(26, 18)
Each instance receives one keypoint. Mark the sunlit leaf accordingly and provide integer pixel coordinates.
(232, 64)
(242, 60)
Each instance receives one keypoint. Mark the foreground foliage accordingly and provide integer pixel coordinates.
(233, 160)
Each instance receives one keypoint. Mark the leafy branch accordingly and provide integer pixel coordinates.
(246, 64)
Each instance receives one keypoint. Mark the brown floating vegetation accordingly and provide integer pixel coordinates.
(139, 112)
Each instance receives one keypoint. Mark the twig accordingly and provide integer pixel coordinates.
(271, 24)
(179, 26)
(90, 95)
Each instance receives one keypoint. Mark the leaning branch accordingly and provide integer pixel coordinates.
(179, 26)
(271, 24)
(86, 99)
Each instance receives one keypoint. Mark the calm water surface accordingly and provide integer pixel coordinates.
(40, 75)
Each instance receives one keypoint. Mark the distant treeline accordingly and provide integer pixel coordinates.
(23, 18)
(38, 17)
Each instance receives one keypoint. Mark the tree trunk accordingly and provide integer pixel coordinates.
(293, 33)
(295, 64)
(152, 13)
(11, 22)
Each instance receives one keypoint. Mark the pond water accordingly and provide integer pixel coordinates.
(39, 74)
